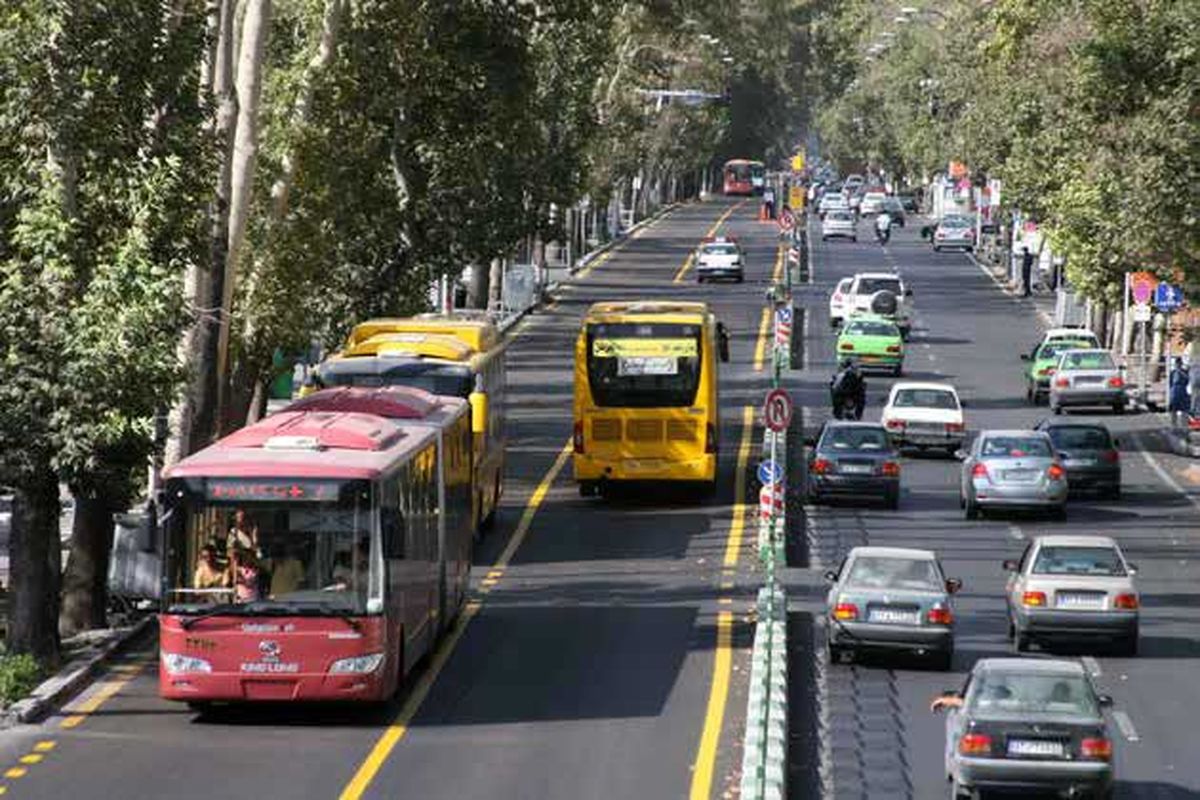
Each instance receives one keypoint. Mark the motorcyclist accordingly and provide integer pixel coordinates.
(883, 227)
(848, 385)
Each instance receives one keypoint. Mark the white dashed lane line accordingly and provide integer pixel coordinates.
(1126, 725)
(1091, 665)
(1015, 532)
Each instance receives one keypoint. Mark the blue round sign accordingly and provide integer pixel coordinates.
(769, 472)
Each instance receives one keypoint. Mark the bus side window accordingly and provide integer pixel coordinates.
(391, 518)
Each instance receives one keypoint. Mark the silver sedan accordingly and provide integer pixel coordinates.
(1012, 469)
(1072, 587)
(1026, 725)
(891, 599)
(1087, 378)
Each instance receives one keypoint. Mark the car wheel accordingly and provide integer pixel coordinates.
(1020, 641)
(961, 502)
(1030, 397)
(1011, 632)
(943, 660)
(971, 509)
(1056, 409)
(958, 791)
(1059, 514)
(699, 279)
(1115, 492)
(897, 371)
(824, 238)
(1118, 408)
(1129, 646)
(838, 653)
(937, 249)
(854, 238)
(741, 278)
(892, 499)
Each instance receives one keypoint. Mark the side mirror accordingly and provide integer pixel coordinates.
(1026, 357)
(954, 585)
(722, 342)
(810, 441)
(1116, 444)
(962, 403)
(1133, 568)
(961, 455)
(1105, 701)
(479, 412)
(908, 293)
(1010, 565)
(831, 576)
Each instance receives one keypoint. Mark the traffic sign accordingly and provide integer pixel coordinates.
(796, 197)
(777, 410)
(769, 472)
(786, 220)
(1142, 284)
(798, 162)
(783, 325)
(770, 501)
(1141, 312)
(1168, 297)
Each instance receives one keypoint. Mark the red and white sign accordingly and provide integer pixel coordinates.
(1141, 286)
(783, 326)
(770, 501)
(787, 220)
(777, 410)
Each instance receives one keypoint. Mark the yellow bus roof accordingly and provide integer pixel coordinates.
(685, 311)
(480, 335)
(426, 345)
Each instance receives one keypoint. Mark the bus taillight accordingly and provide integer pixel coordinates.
(577, 437)
(710, 439)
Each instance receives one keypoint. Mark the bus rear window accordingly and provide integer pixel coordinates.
(644, 365)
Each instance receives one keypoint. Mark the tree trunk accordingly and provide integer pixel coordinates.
(85, 582)
(255, 28)
(477, 287)
(34, 556)
(495, 284)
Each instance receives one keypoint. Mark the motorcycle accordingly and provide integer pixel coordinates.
(849, 405)
(883, 235)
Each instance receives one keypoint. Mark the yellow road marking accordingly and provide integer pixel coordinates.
(711, 231)
(44, 747)
(399, 727)
(32, 758)
(760, 349)
(15, 772)
(706, 753)
(778, 273)
(104, 692)
(733, 546)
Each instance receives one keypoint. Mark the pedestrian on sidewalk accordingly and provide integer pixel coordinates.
(1177, 393)
(769, 202)
(1026, 269)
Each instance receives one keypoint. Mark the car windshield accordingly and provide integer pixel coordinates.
(720, 250)
(1033, 693)
(1080, 438)
(1059, 560)
(890, 572)
(1097, 360)
(893, 204)
(925, 398)
(873, 285)
(1014, 447)
(872, 328)
(1055, 348)
(856, 438)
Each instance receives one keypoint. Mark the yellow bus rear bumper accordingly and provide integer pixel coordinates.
(592, 468)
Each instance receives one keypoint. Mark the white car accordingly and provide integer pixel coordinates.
(839, 224)
(832, 201)
(719, 257)
(839, 301)
(865, 285)
(872, 203)
(925, 415)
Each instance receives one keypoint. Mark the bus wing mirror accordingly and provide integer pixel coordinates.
(479, 412)
(722, 341)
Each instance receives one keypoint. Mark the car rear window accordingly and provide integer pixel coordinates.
(880, 572)
(1055, 348)
(1059, 560)
(842, 216)
(871, 327)
(1014, 447)
(873, 285)
(1101, 360)
(1080, 438)
(720, 249)
(925, 398)
(856, 438)
(956, 222)
(1033, 694)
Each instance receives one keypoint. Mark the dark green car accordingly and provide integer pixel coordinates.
(1041, 366)
(872, 342)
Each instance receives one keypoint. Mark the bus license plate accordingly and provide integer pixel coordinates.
(1035, 747)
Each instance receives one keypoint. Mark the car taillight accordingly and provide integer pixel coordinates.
(1055, 473)
(954, 427)
(975, 744)
(1194, 423)
(895, 424)
(893, 348)
(845, 346)
(1062, 383)
(1046, 371)
(891, 469)
(577, 438)
(710, 438)
(979, 471)
(1033, 599)
(845, 611)
(1111, 456)
(821, 466)
(1116, 382)
(939, 616)
(1127, 601)
(1096, 748)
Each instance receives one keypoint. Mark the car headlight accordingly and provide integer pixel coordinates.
(176, 663)
(357, 665)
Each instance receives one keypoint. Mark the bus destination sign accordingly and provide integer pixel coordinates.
(249, 489)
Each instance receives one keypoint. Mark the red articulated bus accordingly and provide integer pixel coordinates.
(744, 177)
(317, 554)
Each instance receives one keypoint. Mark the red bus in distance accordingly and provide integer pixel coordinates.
(744, 178)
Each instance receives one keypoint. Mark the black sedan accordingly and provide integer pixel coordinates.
(853, 459)
(1089, 453)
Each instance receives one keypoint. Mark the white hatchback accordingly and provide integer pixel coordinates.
(839, 224)
(925, 415)
(840, 302)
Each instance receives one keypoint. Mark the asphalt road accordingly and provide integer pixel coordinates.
(586, 667)
(871, 720)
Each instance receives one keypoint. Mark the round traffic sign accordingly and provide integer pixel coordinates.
(777, 410)
(769, 472)
(786, 220)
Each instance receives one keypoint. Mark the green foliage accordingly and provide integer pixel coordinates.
(19, 674)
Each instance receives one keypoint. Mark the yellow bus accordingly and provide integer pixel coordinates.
(646, 394)
(445, 354)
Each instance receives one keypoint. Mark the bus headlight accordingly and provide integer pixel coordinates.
(176, 663)
(357, 665)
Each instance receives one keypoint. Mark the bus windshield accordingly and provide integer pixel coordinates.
(453, 380)
(644, 365)
(272, 546)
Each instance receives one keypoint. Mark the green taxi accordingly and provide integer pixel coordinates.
(872, 342)
(1041, 365)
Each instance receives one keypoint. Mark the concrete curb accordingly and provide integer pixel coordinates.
(73, 677)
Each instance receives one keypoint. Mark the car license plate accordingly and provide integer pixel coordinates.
(1035, 747)
(893, 616)
(1079, 600)
(1081, 462)
(856, 469)
(1088, 380)
(643, 464)
(1020, 475)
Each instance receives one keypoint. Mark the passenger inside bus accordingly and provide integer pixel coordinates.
(350, 574)
(246, 575)
(210, 574)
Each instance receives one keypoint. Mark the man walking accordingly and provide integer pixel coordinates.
(1026, 270)
(1177, 392)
